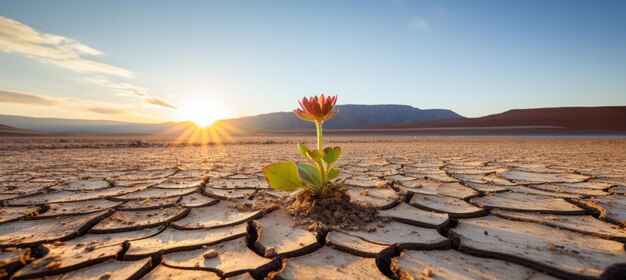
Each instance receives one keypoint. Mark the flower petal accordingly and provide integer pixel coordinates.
(317, 108)
(303, 115)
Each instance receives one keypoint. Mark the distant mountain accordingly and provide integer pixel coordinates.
(6, 130)
(58, 125)
(351, 116)
(580, 118)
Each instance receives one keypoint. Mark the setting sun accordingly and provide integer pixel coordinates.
(201, 111)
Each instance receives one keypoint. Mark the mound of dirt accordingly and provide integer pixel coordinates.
(322, 214)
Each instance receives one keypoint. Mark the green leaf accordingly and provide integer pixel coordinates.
(283, 176)
(331, 154)
(333, 173)
(315, 155)
(303, 149)
(309, 174)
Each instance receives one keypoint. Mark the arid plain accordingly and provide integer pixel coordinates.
(458, 208)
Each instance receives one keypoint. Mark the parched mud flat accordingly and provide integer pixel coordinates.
(458, 209)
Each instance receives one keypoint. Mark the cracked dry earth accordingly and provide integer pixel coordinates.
(459, 209)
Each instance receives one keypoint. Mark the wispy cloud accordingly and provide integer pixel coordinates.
(122, 88)
(419, 24)
(161, 102)
(7, 96)
(16, 37)
(68, 53)
(10, 96)
(127, 89)
(106, 111)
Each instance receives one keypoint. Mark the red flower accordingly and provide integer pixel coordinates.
(317, 109)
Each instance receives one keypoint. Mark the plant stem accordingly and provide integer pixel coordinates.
(318, 125)
(320, 167)
(320, 164)
(323, 193)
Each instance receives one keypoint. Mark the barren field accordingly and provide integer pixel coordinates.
(459, 208)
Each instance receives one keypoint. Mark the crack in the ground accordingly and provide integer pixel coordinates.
(383, 260)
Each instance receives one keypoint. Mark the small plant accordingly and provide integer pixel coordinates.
(31, 212)
(316, 178)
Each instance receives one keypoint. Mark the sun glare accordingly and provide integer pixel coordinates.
(205, 131)
(203, 112)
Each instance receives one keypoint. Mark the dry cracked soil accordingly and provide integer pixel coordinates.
(458, 209)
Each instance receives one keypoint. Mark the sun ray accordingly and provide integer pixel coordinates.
(200, 125)
(187, 132)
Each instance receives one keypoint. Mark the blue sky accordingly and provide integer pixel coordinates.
(151, 60)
